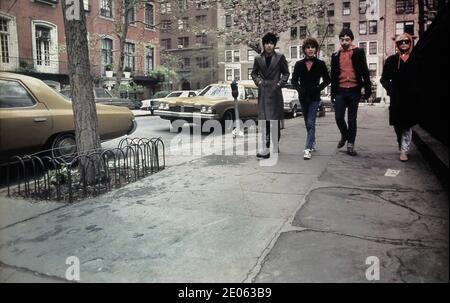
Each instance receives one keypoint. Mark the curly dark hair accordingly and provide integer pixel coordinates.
(310, 42)
(270, 38)
(346, 32)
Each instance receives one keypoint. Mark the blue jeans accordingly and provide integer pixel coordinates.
(347, 98)
(309, 111)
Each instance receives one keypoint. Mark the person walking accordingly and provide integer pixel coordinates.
(349, 73)
(306, 78)
(270, 73)
(402, 110)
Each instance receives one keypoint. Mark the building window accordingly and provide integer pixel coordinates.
(373, 49)
(129, 55)
(149, 58)
(183, 42)
(373, 70)
(131, 14)
(186, 62)
(202, 62)
(107, 46)
(404, 27)
(228, 56)
(200, 19)
(232, 74)
(228, 21)
(251, 55)
(346, 25)
(346, 8)
(330, 10)
(201, 39)
(166, 25)
(166, 8)
(330, 31)
(166, 43)
(362, 27)
(149, 15)
(202, 4)
(362, 6)
(404, 7)
(302, 32)
(42, 45)
(249, 73)
(182, 5)
(237, 56)
(294, 33)
(294, 52)
(106, 8)
(183, 23)
(373, 27)
(363, 45)
(4, 44)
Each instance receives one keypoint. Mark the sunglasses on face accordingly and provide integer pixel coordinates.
(403, 42)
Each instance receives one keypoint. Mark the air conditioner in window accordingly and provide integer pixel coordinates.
(180, 45)
(44, 35)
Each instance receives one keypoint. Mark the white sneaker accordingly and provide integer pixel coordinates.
(306, 154)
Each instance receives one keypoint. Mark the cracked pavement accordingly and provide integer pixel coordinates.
(225, 218)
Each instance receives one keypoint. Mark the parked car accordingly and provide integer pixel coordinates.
(103, 96)
(152, 104)
(214, 102)
(291, 102)
(34, 117)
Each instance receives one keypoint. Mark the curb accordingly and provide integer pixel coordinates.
(434, 152)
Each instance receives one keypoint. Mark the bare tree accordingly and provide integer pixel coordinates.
(85, 112)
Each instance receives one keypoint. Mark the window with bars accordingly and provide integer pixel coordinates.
(106, 8)
(373, 27)
(129, 55)
(43, 40)
(107, 46)
(4, 41)
(346, 8)
(149, 58)
(149, 15)
(404, 7)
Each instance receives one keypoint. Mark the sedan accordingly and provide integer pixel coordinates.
(34, 117)
(152, 104)
(103, 96)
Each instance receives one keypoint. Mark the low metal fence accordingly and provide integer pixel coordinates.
(42, 177)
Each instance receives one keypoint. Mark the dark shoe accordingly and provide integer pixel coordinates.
(351, 151)
(264, 156)
(341, 143)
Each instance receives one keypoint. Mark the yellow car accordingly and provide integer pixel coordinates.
(35, 117)
(214, 102)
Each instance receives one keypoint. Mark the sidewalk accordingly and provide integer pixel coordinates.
(225, 218)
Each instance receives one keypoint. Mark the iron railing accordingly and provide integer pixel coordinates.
(42, 177)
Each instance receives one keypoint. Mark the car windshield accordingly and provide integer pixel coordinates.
(174, 94)
(102, 93)
(289, 93)
(219, 91)
(161, 94)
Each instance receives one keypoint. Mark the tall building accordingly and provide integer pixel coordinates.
(33, 40)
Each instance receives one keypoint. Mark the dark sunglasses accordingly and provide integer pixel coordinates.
(403, 42)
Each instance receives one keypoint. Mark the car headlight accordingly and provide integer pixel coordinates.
(206, 110)
(288, 104)
(164, 106)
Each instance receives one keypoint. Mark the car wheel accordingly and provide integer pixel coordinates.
(294, 112)
(227, 127)
(64, 146)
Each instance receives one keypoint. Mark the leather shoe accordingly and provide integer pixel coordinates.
(264, 156)
(341, 143)
(403, 156)
(351, 151)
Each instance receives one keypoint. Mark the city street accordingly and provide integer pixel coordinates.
(229, 218)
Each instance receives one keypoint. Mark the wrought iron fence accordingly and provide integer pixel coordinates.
(39, 176)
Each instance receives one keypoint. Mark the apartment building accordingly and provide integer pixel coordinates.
(186, 37)
(33, 40)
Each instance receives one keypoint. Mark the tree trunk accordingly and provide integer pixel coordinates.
(81, 82)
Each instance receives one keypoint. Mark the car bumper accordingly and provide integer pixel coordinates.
(180, 115)
(133, 127)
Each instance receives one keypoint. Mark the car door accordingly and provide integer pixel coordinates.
(25, 123)
(249, 105)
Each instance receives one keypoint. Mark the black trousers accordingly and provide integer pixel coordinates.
(269, 125)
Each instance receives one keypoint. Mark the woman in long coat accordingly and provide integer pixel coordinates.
(402, 108)
(270, 73)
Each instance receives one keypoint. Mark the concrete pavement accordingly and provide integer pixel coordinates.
(226, 218)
